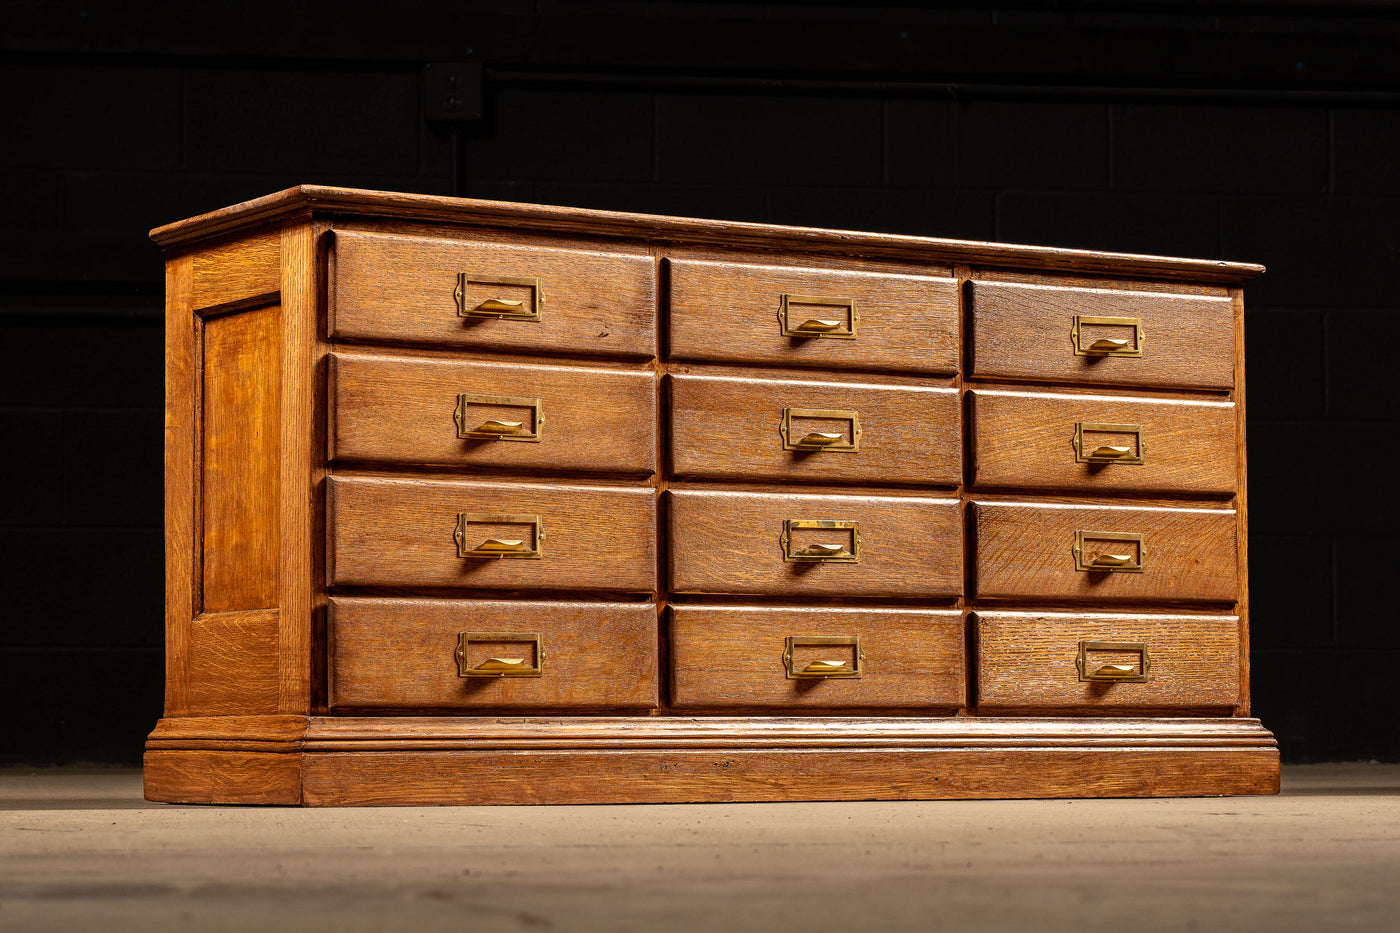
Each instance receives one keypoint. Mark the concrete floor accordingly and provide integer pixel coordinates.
(80, 850)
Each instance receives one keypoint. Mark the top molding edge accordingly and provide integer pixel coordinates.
(311, 200)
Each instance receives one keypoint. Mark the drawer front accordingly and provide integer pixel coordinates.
(1074, 442)
(512, 415)
(1104, 553)
(460, 654)
(1028, 660)
(1101, 336)
(726, 427)
(723, 311)
(481, 535)
(750, 656)
(763, 543)
(422, 290)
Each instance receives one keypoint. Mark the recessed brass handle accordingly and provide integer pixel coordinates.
(844, 329)
(496, 546)
(821, 551)
(1106, 346)
(824, 550)
(500, 665)
(824, 668)
(495, 306)
(1086, 451)
(1129, 559)
(1113, 671)
(499, 428)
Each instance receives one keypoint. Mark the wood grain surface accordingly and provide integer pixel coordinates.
(729, 542)
(183, 562)
(1027, 660)
(401, 410)
(400, 289)
(241, 454)
(387, 653)
(228, 777)
(732, 657)
(400, 533)
(728, 428)
(233, 662)
(232, 274)
(729, 311)
(1025, 440)
(390, 207)
(1025, 549)
(1023, 332)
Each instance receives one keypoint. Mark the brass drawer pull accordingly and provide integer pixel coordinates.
(1106, 346)
(499, 428)
(842, 328)
(1090, 449)
(497, 545)
(797, 438)
(847, 552)
(495, 665)
(826, 668)
(497, 306)
(1101, 671)
(1128, 554)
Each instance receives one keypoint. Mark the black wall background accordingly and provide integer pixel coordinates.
(1260, 131)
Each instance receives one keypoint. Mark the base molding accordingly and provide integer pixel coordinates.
(344, 761)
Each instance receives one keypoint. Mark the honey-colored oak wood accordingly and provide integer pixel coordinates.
(400, 532)
(728, 427)
(1029, 660)
(730, 311)
(1026, 550)
(401, 289)
(729, 657)
(1025, 440)
(404, 410)
(318, 589)
(400, 653)
(731, 542)
(240, 447)
(1024, 331)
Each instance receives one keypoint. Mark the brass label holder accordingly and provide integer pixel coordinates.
(472, 545)
(1106, 346)
(824, 669)
(820, 440)
(1088, 452)
(497, 428)
(817, 326)
(823, 553)
(500, 666)
(497, 307)
(1113, 673)
(1106, 562)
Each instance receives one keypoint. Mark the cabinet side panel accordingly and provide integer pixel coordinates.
(242, 389)
(181, 428)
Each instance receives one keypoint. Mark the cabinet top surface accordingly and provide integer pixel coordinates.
(325, 202)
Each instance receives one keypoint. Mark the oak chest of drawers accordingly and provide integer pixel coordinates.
(473, 502)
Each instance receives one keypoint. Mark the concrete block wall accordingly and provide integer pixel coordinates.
(1271, 138)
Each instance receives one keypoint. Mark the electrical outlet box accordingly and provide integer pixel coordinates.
(452, 91)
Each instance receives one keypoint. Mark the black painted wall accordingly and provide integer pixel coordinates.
(1253, 130)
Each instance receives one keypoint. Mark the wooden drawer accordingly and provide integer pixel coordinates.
(732, 427)
(415, 411)
(1100, 335)
(729, 311)
(1047, 441)
(392, 653)
(405, 290)
(1028, 660)
(737, 542)
(740, 656)
(1046, 551)
(385, 532)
